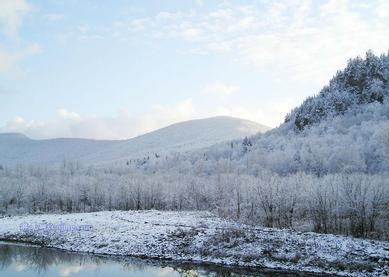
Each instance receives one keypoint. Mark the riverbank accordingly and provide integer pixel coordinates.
(199, 237)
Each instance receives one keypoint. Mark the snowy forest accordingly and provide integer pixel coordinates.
(325, 169)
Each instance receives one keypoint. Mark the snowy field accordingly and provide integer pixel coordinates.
(199, 237)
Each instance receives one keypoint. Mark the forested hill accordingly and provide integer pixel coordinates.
(363, 81)
(343, 129)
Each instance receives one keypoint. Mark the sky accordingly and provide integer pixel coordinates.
(116, 69)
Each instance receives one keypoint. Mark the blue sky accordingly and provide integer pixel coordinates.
(116, 69)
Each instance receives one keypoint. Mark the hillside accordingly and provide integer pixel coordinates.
(325, 169)
(343, 129)
(362, 82)
(184, 136)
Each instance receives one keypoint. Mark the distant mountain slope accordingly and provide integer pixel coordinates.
(19, 149)
(183, 136)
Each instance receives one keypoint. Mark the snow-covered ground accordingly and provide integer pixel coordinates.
(199, 237)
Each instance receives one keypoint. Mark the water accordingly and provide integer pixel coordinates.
(28, 261)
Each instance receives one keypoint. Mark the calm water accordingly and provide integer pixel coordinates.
(24, 260)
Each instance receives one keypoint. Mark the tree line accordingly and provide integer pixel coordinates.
(355, 203)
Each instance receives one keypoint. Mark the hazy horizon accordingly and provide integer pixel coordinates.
(263, 127)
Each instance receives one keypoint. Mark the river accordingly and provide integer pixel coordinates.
(23, 260)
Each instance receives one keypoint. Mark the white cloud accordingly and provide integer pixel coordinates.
(305, 41)
(219, 88)
(122, 126)
(382, 9)
(9, 59)
(68, 270)
(65, 114)
(271, 115)
(20, 267)
(12, 13)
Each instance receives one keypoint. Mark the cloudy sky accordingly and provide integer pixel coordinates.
(116, 69)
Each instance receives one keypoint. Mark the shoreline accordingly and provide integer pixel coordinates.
(201, 238)
(167, 262)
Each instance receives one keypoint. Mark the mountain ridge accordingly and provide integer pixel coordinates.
(186, 135)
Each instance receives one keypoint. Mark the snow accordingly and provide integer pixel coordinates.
(202, 237)
(183, 136)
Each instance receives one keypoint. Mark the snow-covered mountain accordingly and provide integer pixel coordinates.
(184, 136)
(344, 128)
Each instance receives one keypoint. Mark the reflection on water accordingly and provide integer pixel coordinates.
(23, 260)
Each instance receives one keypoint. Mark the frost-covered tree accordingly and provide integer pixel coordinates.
(363, 81)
